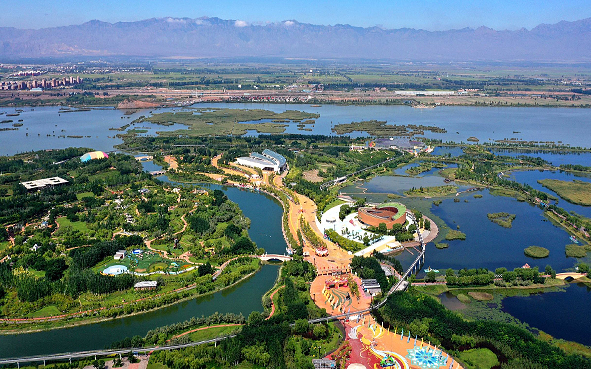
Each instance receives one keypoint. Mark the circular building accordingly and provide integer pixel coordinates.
(389, 213)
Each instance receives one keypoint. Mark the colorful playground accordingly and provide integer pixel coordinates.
(375, 347)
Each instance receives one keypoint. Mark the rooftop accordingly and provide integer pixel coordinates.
(42, 183)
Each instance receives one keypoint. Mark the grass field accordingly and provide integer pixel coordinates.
(333, 203)
(84, 194)
(77, 226)
(480, 358)
(212, 332)
(4, 245)
(576, 192)
(50, 310)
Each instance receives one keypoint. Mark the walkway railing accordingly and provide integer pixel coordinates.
(101, 353)
(399, 286)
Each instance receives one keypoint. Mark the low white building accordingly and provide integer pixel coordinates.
(119, 255)
(268, 160)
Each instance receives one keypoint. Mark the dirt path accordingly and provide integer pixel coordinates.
(171, 160)
(272, 303)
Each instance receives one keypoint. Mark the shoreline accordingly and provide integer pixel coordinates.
(100, 320)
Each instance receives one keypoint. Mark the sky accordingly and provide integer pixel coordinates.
(431, 15)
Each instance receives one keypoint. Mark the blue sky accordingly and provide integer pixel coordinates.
(425, 14)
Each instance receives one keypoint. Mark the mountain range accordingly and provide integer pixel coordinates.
(218, 38)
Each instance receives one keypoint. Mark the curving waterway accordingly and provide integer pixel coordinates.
(265, 214)
(487, 244)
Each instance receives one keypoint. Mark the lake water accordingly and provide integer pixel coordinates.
(42, 126)
(565, 315)
(531, 177)
(487, 245)
(554, 158)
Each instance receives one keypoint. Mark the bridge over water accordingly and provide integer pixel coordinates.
(401, 285)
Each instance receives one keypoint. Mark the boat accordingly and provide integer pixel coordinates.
(431, 270)
(574, 239)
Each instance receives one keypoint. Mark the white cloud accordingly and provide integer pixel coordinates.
(175, 20)
(288, 23)
(240, 23)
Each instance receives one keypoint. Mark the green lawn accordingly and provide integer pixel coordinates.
(4, 245)
(333, 203)
(77, 226)
(152, 365)
(212, 332)
(481, 358)
(79, 196)
(50, 310)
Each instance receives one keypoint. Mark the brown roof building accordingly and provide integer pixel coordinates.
(389, 213)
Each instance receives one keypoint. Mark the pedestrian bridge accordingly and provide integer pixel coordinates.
(570, 276)
(267, 257)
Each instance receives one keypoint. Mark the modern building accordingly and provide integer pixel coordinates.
(40, 184)
(119, 255)
(371, 286)
(268, 160)
(389, 214)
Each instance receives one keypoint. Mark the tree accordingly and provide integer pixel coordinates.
(243, 246)
(204, 269)
(320, 330)
(219, 197)
(431, 276)
(301, 327)
(3, 234)
(509, 276)
(255, 318)
(382, 228)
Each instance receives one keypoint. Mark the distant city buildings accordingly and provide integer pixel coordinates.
(43, 83)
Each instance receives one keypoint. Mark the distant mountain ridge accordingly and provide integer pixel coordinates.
(214, 37)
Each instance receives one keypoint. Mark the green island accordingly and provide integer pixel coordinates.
(215, 122)
(453, 234)
(536, 252)
(577, 251)
(436, 191)
(423, 167)
(503, 219)
(383, 129)
(576, 192)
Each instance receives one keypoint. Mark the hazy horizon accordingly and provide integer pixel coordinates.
(429, 15)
